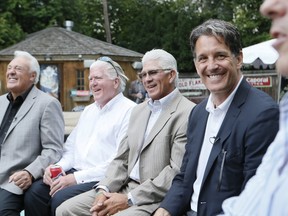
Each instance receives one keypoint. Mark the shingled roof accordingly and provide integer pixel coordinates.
(60, 42)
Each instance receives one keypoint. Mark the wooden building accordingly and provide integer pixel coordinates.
(65, 57)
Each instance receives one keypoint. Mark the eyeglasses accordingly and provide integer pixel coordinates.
(108, 60)
(151, 73)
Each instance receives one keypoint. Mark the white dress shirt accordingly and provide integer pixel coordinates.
(214, 122)
(156, 107)
(94, 142)
(265, 193)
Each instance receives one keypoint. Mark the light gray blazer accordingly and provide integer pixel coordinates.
(160, 157)
(35, 137)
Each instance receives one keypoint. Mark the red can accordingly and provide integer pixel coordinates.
(56, 171)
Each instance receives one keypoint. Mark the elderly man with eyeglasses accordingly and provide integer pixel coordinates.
(151, 153)
(92, 144)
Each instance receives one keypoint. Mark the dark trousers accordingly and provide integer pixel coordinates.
(38, 202)
(10, 204)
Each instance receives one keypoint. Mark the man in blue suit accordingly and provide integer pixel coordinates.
(228, 133)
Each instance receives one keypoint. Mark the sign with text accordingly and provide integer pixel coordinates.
(264, 81)
(196, 83)
(190, 83)
(80, 93)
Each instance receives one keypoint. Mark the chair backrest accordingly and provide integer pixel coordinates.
(71, 120)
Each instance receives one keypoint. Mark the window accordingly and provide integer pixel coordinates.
(80, 80)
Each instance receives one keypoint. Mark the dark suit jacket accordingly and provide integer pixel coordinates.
(250, 125)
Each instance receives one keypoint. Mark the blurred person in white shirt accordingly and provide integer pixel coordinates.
(266, 193)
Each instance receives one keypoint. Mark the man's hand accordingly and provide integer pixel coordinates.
(47, 176)
(22, 179)
(62, 182)
(161, 212)
(109, 204)
(98, 203)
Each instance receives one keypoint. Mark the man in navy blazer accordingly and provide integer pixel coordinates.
(228, 133)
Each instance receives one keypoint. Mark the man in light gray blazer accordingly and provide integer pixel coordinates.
(31, 132)
(151, 153)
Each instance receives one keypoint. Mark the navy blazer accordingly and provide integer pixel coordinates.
(250, 125)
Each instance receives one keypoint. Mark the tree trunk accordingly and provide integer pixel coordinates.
(106, 21)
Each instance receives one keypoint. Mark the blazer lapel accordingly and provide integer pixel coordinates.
(227, 125)
(162, 120)
(196, 140)
(27, 104)
(223, 134)
(141, 128)
(4, 105)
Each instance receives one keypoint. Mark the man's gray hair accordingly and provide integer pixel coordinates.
(165, 60)
(112, 74)
(33, 63)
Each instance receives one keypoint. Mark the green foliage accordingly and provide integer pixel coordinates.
(10, 31)
(90, 19)
(139, 25)
(243, 13)
(253, 27)
(144, 25)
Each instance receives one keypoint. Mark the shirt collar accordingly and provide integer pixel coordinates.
(163, 102)
(110, 103)
(20, 97)
(225, 105)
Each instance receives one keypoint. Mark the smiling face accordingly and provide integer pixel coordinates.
(103, 87)
(277, 10)
(157, 82)
(217, 67)
(18, 76)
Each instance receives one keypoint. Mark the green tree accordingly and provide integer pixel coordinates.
(253, 27)
(21, 17)
(10, 31)
(139, 25)
(144, 25)
(243, 13)
(92, 19)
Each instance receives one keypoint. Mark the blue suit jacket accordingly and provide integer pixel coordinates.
(250, 125)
